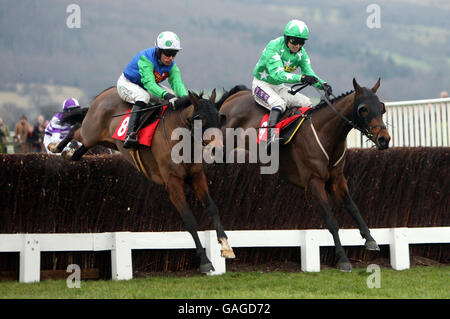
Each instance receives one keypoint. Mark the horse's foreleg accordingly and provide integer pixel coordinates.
(55, 147)
(79, 153)
(200, 186)
(68, 138)
(178, 199)
(317, 187)
(341, 194)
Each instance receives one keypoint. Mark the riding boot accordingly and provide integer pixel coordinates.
(132, 139)
(274, 116)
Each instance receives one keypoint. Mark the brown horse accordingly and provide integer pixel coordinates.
(97, 124)
(314, 158)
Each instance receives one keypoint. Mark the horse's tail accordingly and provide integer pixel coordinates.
(75, 116)
(226, 95)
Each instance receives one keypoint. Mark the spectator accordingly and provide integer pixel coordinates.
(444, 94)
(4, 137)
(21, 133)
(36, 137)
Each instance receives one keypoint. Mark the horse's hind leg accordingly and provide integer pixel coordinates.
(178, 198)
(341, 194)
(317, 187)
(200, 186)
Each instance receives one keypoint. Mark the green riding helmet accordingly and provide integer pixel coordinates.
(296, 28)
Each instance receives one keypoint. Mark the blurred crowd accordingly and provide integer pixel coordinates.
(26, 138)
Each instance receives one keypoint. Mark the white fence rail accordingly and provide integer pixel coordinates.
(412, 123)
(121, 244)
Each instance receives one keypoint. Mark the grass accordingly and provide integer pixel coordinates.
(419, 282)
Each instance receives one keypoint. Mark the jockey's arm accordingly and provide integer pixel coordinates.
(305, 65)
(146, 69)
(176, 83)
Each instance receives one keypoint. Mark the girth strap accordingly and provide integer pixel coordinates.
(321, 146)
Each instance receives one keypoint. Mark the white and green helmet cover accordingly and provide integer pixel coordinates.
(168, 40)
(296, 28)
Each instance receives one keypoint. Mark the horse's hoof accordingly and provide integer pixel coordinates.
(53, 147)
(206, 268)
(67, 155)
(345, 267)
(372, 245)
(229, 254)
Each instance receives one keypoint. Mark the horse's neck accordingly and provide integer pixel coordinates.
(335, 124)
(187, 113)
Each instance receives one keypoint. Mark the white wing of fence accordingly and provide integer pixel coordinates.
(121, 244)
(412, 123)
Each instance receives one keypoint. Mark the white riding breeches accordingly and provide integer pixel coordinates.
(131, 92)
(270, 95)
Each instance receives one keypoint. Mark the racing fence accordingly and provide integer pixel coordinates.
(412, 123)
(54, 213)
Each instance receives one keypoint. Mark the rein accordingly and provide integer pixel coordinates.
(191, 122)
(364, 131)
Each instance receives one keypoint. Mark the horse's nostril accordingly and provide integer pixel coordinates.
(383, 141)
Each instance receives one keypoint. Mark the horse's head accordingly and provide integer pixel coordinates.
(206, 111)
(368, 114)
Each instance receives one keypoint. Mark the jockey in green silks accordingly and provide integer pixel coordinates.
(280, 58)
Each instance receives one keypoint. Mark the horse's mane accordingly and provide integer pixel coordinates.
(185, 101)
(322, 103)
(227, 94)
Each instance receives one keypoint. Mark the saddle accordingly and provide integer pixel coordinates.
(148, 121)
(290, 122)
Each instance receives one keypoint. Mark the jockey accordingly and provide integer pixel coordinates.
(55, 132)
(140, 80)
(279, 59)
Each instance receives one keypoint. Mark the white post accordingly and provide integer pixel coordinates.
(310, 252)
(30, 259)
(212, 248)
(399, 248)
(121, 262)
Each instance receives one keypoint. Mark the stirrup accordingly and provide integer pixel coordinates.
(131, 141)
(273, 139)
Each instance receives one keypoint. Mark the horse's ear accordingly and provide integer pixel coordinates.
(194, 99)
(358, 89)
(376, 86)
(213, 96)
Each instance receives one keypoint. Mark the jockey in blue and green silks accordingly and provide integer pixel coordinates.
(280, 58)
(141, 77)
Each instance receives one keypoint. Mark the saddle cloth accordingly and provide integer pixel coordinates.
(145, 134)
(288, 126)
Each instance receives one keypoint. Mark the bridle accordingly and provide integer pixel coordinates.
(366, 131)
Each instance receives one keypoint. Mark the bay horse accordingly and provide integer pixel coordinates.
(315, 158)
(97, 124)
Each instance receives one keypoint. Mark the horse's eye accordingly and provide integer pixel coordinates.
(363, 111)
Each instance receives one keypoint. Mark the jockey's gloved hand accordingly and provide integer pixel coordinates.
(170, 97)
(327, 88)
(309, 79)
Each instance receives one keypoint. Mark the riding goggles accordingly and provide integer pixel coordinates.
(169, 52)
(295, 41)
